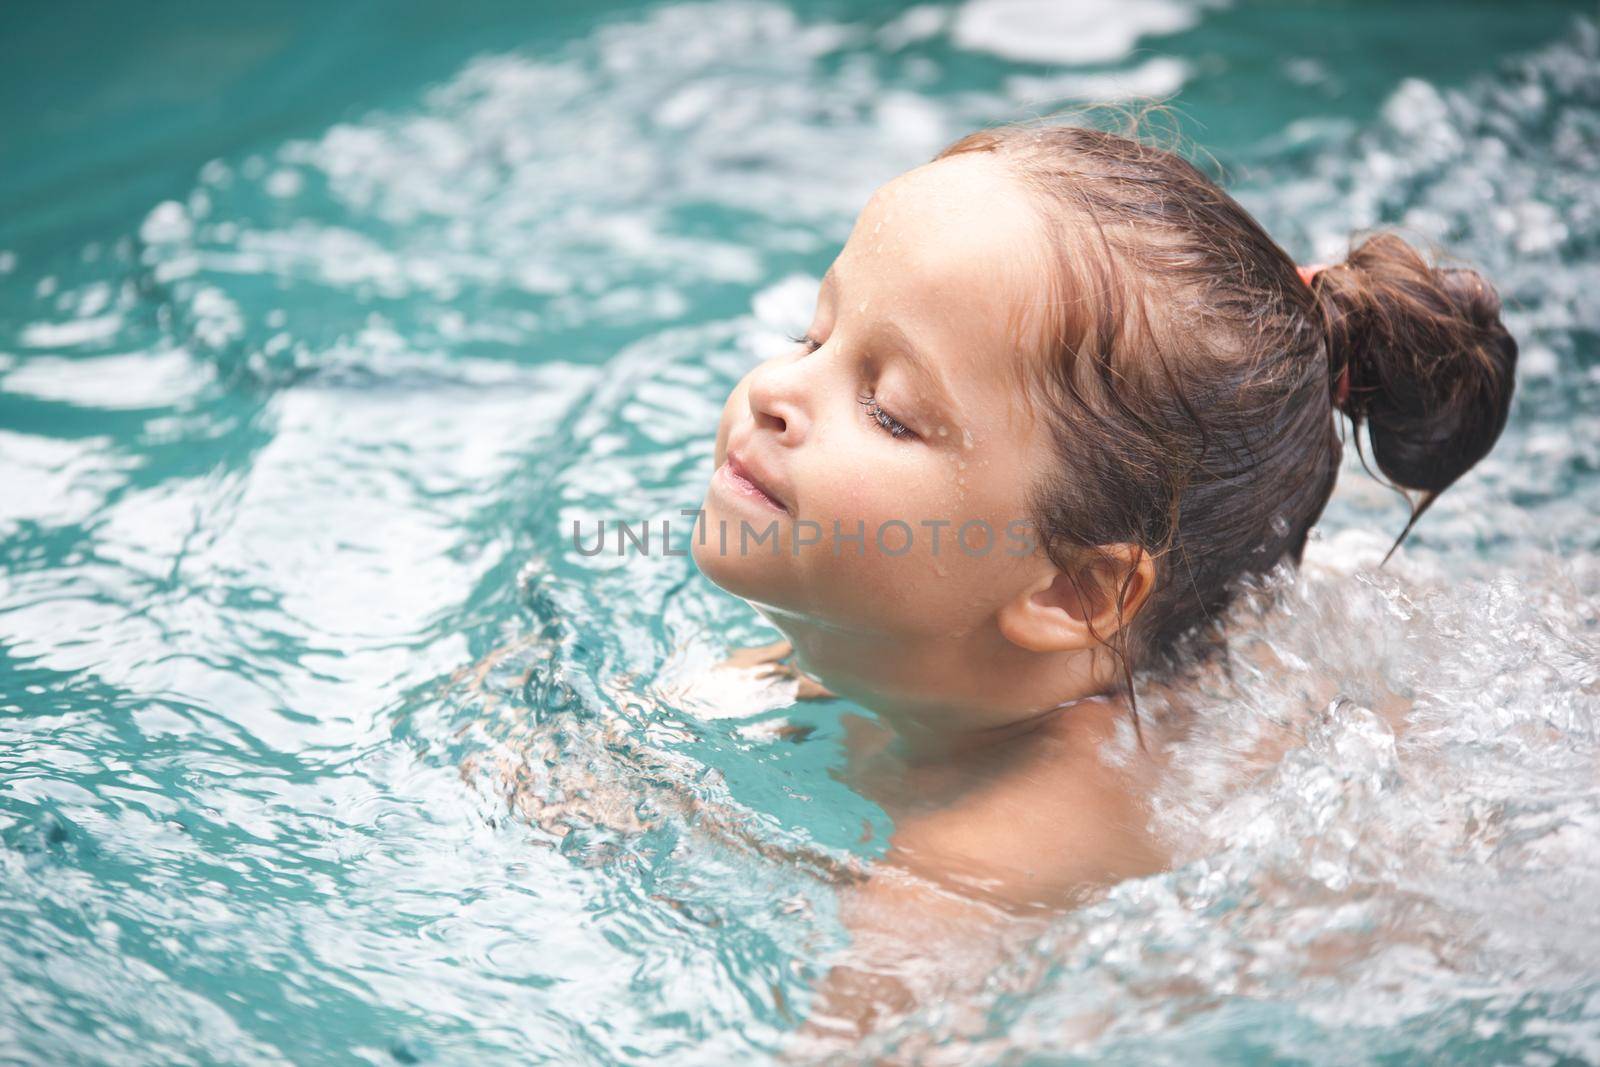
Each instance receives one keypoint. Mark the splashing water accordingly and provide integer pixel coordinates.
(319, 741)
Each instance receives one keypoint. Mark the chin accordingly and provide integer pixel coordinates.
(757, 575)
(764, 578)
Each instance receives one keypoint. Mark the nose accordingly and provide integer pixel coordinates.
(779, 399)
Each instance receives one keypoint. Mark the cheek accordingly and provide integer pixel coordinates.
(910, 570)
(896, 563)
(931, 492)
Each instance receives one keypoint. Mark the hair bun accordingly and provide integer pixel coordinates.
(1476, 298)
(1431, 367)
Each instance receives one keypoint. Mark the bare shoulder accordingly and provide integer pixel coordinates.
(1048, 827)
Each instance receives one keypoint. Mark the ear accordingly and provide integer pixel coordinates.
(1063, 611)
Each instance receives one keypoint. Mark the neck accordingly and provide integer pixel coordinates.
(946, 696)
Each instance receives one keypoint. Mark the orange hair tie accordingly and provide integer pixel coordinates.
(1308, 273)
(1341, 385)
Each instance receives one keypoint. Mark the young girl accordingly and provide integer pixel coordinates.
(1072, 334)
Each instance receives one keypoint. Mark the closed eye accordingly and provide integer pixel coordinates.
(887, 422)
(811, 343)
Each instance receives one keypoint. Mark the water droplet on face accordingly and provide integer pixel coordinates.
(966, 439)
(863, 305)
(944, 431)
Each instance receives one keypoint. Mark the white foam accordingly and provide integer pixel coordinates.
(167, 223)
(54, 481)
(912, 25)
(123, 382)
(1155, 77)
(785, 307)
(1085, 31)
(71, 334)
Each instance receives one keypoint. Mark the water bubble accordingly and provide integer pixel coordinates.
(284, 183)
(167, 223)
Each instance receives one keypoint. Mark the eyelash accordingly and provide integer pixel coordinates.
(811, 343)
(887, 422)
(891, 425)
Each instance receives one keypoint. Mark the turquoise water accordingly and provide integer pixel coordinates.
(319, 743)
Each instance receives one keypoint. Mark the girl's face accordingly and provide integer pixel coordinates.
(891, 453)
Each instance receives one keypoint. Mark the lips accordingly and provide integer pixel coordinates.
(752, 482)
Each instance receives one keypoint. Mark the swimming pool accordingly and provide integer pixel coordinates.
(319, 742)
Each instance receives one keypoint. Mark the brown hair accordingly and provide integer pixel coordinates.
(1189, 373)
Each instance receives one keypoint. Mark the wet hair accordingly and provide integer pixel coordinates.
(1190, 377)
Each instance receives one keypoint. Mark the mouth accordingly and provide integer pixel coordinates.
(741, 480)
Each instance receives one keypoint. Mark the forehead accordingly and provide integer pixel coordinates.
(956, 254)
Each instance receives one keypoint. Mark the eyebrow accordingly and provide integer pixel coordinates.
(919, 364)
